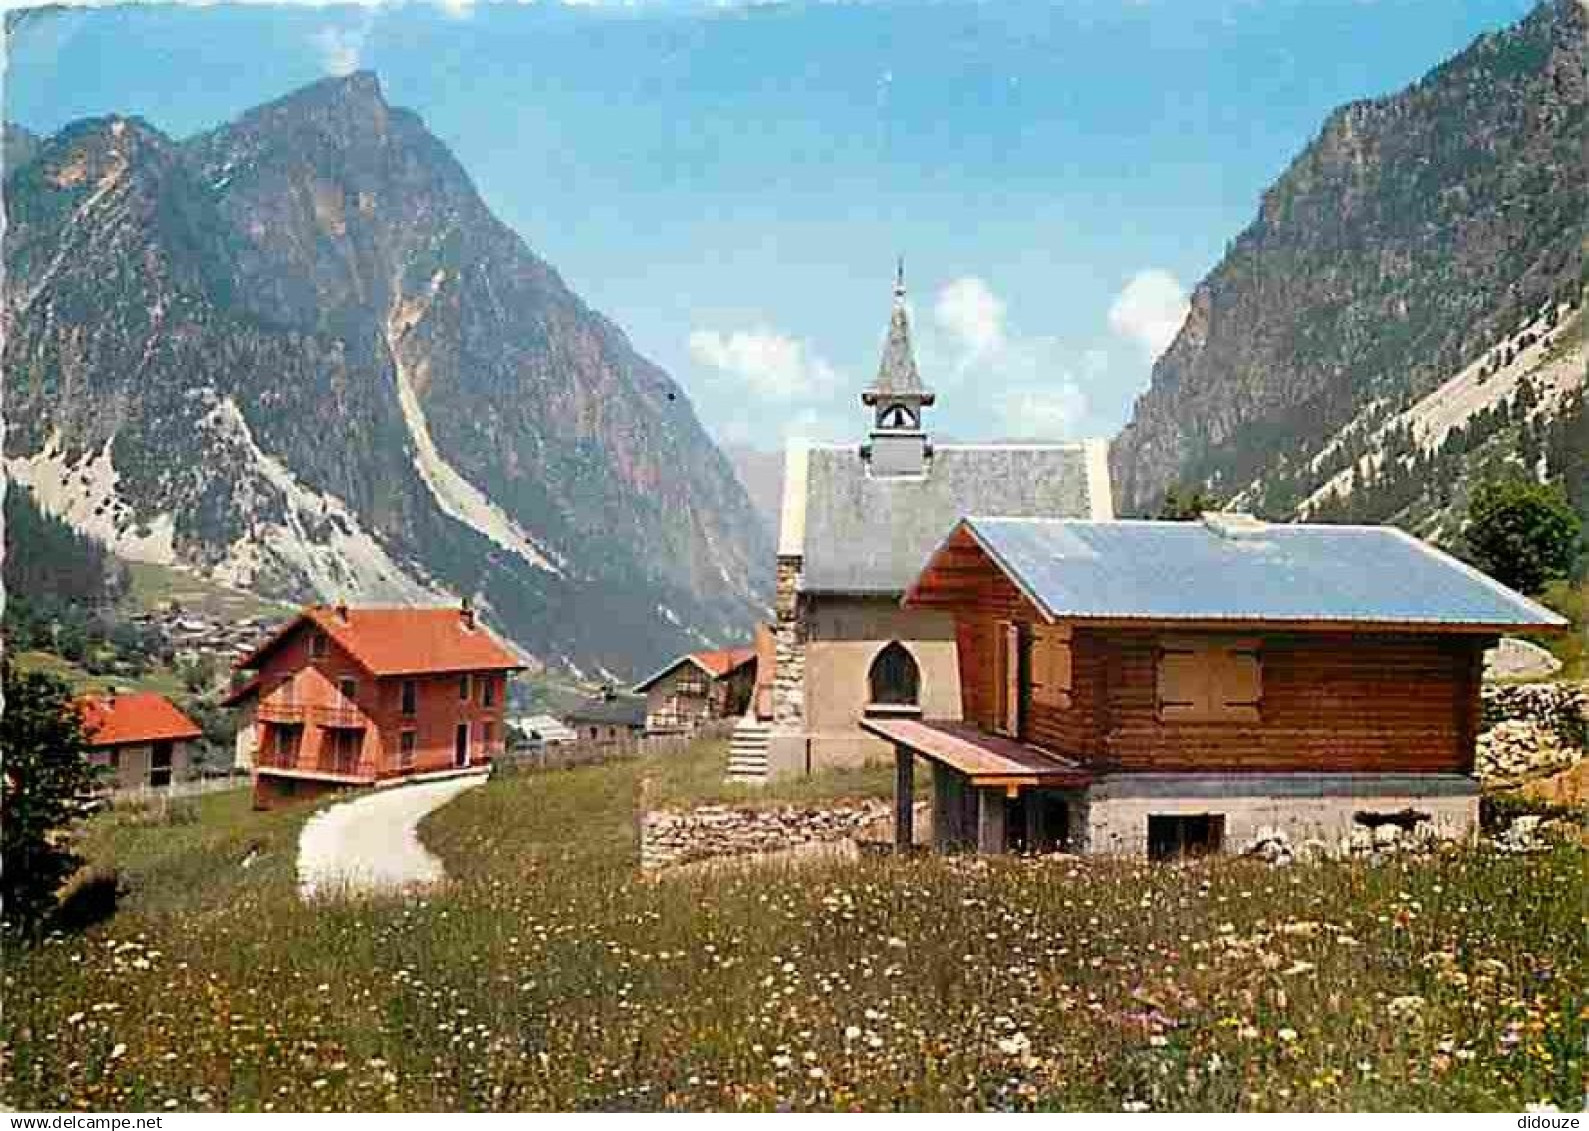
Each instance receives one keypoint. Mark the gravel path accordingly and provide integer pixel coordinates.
(371, 844)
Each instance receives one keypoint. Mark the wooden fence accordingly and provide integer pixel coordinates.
(567, 755)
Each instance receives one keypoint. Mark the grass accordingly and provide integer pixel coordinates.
(695, 777)
(152, 585)
(154, 678)
(548, 974)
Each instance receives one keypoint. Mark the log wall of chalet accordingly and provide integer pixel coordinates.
(1335, 701)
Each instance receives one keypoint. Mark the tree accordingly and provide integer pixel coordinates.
(1187, 506)
(1521, 533)
(47, 780)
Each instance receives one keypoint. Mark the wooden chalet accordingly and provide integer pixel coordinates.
(697, 688)
(1163, 688)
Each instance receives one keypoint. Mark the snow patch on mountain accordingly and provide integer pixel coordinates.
(1553, 360)
(321, 544)
(455, 495)
(85, 494)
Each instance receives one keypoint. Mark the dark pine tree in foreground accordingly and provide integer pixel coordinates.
(47, 779)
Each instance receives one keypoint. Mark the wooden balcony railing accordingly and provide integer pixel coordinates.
(343, 717)
(279, 712)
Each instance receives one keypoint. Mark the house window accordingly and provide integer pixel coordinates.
(406, 742)
(460, 745)
(594, 731)
(1177, 837)
(463, 688)
(487, 733)
(1209, 680)
(317, 644)
(348, 688)
(410, 696)
(1007, 715)
(894, 678)
(692, 683)
(488, 691)
(114, 758)
(1049, 665)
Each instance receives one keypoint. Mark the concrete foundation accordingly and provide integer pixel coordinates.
(1111, 817)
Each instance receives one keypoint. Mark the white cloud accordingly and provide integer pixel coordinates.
(1149, 310)
(769, 365)
(1028, 381)
(341, 48)
(972, 315)
(1048, 413)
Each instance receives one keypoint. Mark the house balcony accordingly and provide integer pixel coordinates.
(328, 766)
(339, 718)
(290, 714)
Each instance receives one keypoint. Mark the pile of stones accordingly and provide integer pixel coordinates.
(669, 837)
(1273, 846)
(1531, 729)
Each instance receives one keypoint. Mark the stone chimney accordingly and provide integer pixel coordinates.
(466, 614)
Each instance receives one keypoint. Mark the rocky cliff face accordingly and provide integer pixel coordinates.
(300, 354)
(1419, 234)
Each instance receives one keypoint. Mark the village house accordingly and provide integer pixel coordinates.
(607, 718)
(697, 688)
(140, 739)
(345, 696)
(1163, 688)
(538, 731)
(857, 522)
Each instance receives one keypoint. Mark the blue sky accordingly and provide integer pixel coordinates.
(731, 184)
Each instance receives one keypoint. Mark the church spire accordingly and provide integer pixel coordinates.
(898, 444)
(897, 375)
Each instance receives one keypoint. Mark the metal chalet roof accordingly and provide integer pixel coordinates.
(1235, 568)
(867, 534)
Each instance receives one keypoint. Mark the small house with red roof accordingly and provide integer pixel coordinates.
(698, 687)
(345, 696)
(140, 738)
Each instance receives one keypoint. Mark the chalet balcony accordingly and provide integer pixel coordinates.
(341, 718)
(269, 711)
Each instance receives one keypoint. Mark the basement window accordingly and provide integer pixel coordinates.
(1181, 836)
(317, 644)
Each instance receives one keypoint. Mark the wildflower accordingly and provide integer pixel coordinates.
(1287, 1035)
(118, 1052)
(1405, 1006)
(1015, 1045)
(851, 1032)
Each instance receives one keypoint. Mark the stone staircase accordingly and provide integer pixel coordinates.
(747, 750)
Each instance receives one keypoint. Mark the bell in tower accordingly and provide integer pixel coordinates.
(898, 443)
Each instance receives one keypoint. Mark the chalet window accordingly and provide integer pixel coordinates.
(488, 691)
(1176, 837)
(1049, 665)
(593, 732)
(1007, 713)
(1207, 679)
(410, 696)
(348, 688)
(691, 682)
(463, 688)
(894, 677)
(406, 742)
(317, 644)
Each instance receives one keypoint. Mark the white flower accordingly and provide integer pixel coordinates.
(896, 942)
(118, 1052)
(1287, 1035)
(75, 1018)
(851, 1032)
(1015, 1045)
(782, 1060)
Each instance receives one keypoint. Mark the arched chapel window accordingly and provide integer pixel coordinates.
(894, 677)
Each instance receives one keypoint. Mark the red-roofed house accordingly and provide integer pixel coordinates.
(140, 737)
(697, 688)
(354, 696)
